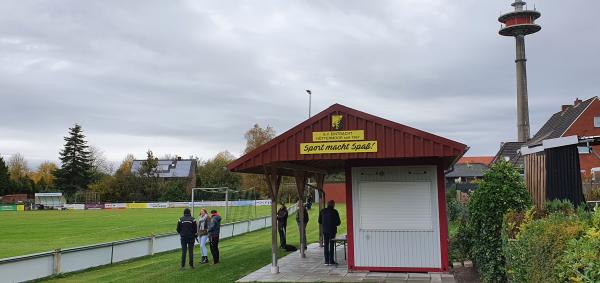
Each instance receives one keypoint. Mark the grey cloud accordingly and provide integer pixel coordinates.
(190, 77)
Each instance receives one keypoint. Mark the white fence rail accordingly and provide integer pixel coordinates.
(35, 266)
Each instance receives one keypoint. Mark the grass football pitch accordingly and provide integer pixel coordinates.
(240, 256)
(27, 232)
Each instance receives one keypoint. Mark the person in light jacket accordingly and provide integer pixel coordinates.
(203, 221)
(214, 229)
(187, 229)
(329, 218)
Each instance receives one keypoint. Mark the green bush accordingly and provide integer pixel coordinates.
(461, 243)
(534, 254)
(559, 206)
(174, 191)
(459, 240)
(594, 194)
(501, 190)
(581, 261)
(456, 211)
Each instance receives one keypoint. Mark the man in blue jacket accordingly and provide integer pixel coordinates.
(187, 229)
(329, 218)
(214, 228)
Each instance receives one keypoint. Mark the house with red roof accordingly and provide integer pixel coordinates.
(581, 119)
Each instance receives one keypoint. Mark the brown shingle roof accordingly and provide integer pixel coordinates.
(509, 151)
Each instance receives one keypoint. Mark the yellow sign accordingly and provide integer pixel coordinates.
(338, 147)
(20, 207)
(337, 122)
(137, 205)
(357, 135)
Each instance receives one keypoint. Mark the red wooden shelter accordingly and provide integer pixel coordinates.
(342, 139)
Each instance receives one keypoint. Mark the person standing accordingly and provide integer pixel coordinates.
(329, 218)
(187, 229)
(303, 240)
(282, 216)
(214, 228)
(203, 221)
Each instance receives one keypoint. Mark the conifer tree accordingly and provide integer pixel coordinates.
(4, 178)
(76, 170)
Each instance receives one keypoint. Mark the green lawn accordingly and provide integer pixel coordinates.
(26, 232)
(239, 256)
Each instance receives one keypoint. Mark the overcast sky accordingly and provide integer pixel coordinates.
(190, 77)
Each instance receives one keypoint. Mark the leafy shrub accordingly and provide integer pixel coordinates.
(459, 238)
(594, 194)
(581, 261)
(456, 211)
(461, 243)
(559, 206)
(174, 191)
(501, 190)
(533, 255)
(514, 222)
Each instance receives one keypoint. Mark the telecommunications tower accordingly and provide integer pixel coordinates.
(518, 24)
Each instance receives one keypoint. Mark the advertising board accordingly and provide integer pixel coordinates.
(137, 205)
(115, 205)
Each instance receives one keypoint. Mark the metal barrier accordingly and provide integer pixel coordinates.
(40, 265)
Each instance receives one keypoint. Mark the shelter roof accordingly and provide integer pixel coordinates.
(393, 141)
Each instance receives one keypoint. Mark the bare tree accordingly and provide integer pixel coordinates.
(17, 167)
(99, 162)
(256, 137)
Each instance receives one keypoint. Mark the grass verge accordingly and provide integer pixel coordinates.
(26, 232)
(239, 256)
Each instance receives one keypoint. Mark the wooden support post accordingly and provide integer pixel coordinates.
(273, 182)
(300, 186)
(320, 179)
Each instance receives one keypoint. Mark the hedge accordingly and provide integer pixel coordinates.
(581, 261)
(535, 253)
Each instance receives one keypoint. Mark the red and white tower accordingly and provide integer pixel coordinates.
(518, 24)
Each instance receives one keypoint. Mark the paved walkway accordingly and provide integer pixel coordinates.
(292, 268)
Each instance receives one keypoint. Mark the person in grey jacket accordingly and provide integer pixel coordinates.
(187, 229)
(214, 228)
(203, 221)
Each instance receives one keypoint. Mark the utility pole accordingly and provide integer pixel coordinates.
(309, 100)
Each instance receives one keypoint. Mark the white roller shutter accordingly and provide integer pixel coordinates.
(399, 206)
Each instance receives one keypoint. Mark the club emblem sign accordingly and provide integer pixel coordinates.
(337, 122)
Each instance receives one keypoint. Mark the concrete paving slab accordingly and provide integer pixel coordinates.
(292, 268)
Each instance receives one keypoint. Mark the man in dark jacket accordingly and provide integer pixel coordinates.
(305, 222)
(214, 228)
(329, 218)
(282, 216)
(187, 229)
